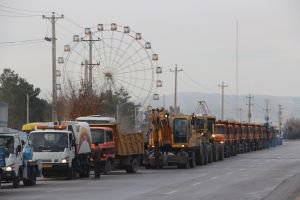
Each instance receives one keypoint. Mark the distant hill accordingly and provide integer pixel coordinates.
(188, 102)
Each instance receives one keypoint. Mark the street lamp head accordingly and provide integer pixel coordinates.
(48, 39)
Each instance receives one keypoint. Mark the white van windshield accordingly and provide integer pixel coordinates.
(48, 141)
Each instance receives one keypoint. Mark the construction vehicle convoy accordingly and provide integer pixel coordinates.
(64, 149)
(183, 140)
(16, 159)
(119, 150)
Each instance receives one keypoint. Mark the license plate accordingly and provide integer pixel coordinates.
(46, 165)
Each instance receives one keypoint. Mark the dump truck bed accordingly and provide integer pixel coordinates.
(126, 144)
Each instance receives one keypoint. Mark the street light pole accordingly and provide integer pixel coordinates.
(27, 104)
(27, 108)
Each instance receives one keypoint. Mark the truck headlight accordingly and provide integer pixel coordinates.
(64, 160)
(221, 142)
(182, 145)
(8, 169)
(213, 135)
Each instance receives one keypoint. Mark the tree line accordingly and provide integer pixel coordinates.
(72, 104)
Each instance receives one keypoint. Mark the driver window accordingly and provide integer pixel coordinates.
(109, 136)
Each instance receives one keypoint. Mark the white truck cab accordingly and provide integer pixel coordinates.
(18, 162)
(64, 150)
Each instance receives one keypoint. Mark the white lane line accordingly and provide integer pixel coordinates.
(213, 178)
(171, 192)
(198, 183)
(229, 173)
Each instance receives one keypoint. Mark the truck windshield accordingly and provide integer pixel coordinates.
(8, 143)
(97, 136)
(220, 129)
(49, 141)
(180, 131)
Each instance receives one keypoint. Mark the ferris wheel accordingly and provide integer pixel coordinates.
(110, 57)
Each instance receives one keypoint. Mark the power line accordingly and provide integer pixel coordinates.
(24, 10)
(20, 44)
(20, 41)
(73, 22)
(1, 15)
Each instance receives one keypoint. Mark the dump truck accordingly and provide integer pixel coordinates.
(64, 149)
(119, 150)
(17, 164)
(225, 132)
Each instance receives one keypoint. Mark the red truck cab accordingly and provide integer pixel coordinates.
(105, 139)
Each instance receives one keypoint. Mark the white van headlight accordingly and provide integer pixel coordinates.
(8, 169)
(65, 160)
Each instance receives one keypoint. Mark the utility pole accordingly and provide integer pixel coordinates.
(175, 93)
(249, 104)
(237, 66)
(90, 61)
(240, 110)
(280, 108)
(222, 87)
(53, 19)
(267, 109)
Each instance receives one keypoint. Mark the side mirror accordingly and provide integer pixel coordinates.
(73, 143)
(29, 142)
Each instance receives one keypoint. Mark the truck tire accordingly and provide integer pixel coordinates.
(0, 178)
(216, 148)
(108, 167)
(210, 155)
(193, 160)
(71, 173)
(33, 177)
(205, 154)
(16, 181)
(199, 156)
(221, 152)
(133, 167)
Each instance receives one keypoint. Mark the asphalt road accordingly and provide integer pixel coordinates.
(268, 174)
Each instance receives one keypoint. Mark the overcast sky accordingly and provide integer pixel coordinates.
(197, 35)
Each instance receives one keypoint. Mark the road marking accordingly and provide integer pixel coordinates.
(171, 192)
(198, 183)
(213, 178)
(228, 173)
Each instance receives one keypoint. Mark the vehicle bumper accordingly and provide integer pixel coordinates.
(8, 175)
(55, 169)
